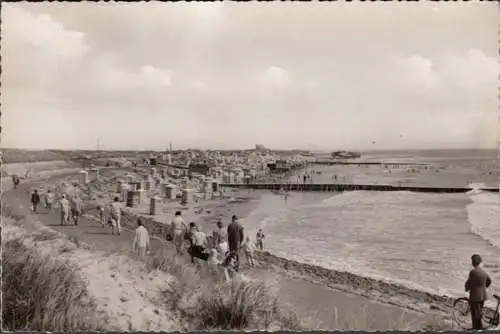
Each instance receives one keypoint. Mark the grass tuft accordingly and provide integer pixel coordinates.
(45, 235)
(202, 299)
(41, 293)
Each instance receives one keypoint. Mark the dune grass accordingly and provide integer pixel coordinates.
(202, 298)
(43, 293)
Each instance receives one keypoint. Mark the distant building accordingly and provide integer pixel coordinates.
(203, 169)
(259, 147)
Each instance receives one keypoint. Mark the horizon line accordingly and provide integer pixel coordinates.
(251, 149)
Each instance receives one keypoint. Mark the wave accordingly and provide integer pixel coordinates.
(317, 234)
(483, 214)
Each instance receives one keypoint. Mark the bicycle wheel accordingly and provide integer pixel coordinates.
(490, 319)
(461, 312)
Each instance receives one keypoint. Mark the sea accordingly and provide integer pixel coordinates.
(421, 240)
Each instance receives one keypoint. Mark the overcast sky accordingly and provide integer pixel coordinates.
(232, 75)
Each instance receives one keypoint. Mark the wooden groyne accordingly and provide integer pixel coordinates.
(492, 190)
(362, 163)
(347, 187)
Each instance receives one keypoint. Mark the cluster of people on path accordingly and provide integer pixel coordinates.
(71, 208)
(222, 247)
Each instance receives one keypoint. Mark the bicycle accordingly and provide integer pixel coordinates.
(461, 313)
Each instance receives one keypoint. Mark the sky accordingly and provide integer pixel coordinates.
(323, 75)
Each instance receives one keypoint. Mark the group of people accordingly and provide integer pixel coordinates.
(36, 200)
(221, 249)
(71, 207)
(223, 245)
(114, 218)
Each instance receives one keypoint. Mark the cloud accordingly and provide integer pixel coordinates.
(208, 74)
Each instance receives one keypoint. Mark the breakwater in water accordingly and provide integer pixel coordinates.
(369, 163)
(346, 187)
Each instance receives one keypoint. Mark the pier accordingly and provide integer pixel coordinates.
(347, 187)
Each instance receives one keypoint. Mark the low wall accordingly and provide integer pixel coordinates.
(155, 228)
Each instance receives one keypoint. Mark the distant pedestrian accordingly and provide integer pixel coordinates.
(259, 239)
(49, 199)
(220, 239)
(35, 200)
(141, 241)
(64, 209)
(116, 211)
(178, 230)
(76, 209)
(476, 285)
(235, 237)
(15, 181)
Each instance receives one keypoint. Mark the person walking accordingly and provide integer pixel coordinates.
(35, 200)
(476, 285)
(260, 239)
(178, 230)
(79, 208)
(64, 208)
(235, 237)
(141, 241)
(220, 239)
(116, 211)
(49, 200)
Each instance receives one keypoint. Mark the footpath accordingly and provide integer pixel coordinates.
(88, 229)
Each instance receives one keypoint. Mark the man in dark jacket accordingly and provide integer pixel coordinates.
(476, 285)
(35, 200)
(235, 237)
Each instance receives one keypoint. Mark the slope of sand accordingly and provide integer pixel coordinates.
(124, 291)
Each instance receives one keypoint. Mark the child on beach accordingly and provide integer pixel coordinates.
(114, 226)
(248, 249)
(102, 218)
(213, 259)
(260, 239)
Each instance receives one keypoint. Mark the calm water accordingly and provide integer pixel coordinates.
(421, 240)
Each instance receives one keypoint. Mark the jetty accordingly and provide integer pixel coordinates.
(347, 187)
